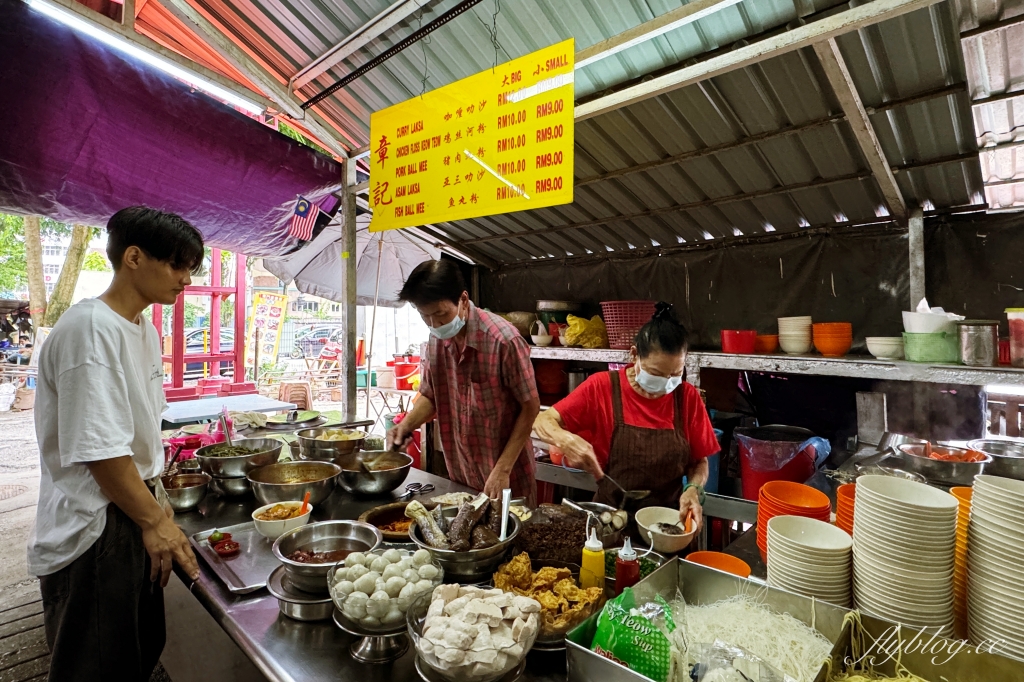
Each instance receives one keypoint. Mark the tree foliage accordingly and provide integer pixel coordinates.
(96, 262)
(12, 254)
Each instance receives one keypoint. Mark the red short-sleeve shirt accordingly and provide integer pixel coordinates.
(588, 413)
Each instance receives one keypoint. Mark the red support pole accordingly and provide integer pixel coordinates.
(215, 299)
(240, 317)
(178, 343)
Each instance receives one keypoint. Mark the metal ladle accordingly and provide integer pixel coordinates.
(635, 495)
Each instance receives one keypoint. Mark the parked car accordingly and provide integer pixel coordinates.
(194, 346)
(308, 342)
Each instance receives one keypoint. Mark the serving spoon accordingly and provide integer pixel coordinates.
(635, 495)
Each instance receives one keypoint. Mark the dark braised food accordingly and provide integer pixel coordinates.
(554, 533)
(301, 556)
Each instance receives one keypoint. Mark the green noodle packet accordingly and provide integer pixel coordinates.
(628, 635)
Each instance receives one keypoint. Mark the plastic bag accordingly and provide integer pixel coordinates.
(628, 637)
(586, 333)
(722, 662)
(772, 455)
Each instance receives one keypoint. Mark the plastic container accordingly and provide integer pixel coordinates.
(404, 374)
(627, 568)
(592, 566)
(1015, 317)
(777, 453)
(739, 341)
(978, 342)
(937, 347)
(623, 320)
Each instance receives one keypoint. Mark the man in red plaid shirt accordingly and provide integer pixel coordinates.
(478, 379)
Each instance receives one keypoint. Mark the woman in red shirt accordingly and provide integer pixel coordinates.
(643, 424)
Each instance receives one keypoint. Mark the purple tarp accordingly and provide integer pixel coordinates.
(87, 131)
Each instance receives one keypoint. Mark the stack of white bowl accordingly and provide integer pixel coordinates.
(810, 557)
(904, 544)
(795, 334)
(995, 564)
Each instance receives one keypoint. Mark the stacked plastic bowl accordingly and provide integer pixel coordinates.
(783, 498)
(845, 497)
(904, 542)
(833, 339)
(963, 517)
(810, 557)
(995, 564)
(795, 334)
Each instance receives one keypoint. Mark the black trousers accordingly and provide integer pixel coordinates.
(103, 616)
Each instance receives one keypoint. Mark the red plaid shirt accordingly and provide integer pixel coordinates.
(478, 398)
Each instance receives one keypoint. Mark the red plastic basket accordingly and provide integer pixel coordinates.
(623, 320)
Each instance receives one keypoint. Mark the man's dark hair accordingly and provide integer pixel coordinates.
(164, 236)
(432, 281)
(664, 332)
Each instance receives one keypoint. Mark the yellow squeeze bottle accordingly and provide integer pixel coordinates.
(592, 566)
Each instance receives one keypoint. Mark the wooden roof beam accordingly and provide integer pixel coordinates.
(846, 92)
(276, 91)
(802, 36)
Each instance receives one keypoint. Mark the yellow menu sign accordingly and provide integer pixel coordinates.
(495, 142)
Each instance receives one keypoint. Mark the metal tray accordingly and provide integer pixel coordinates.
(249, 570)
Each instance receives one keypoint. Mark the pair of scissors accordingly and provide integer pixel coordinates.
(416, 488)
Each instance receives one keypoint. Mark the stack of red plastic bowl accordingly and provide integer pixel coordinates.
(845, 495)
(784, 498)
(833, 339)
(739, 341)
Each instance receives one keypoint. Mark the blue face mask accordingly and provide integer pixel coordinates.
(656, 385)
(447, 331)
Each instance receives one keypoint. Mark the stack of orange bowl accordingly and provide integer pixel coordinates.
(963, 496)
(783, 498)
(845, 495)
(833, 339)
(766, 343)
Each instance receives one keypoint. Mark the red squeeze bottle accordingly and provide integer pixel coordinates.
(627, 568)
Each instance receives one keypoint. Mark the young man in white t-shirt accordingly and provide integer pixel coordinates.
(103, 545)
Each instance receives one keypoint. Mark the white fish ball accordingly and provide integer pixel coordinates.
(405, 563)
(424, 586)
(370, 622)
(411, 574)
(393, 556)
(345, 587)
(357, 572)
(378, 605)
(391, 571)
(394, 586)
(355, 559)
(408, 592)
(354, 606)
(421, 557)
(429, 572)
(392, 617)
(340, 574)
(366, 584)
(379, 564)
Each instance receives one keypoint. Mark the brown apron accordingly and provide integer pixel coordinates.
(645, 459)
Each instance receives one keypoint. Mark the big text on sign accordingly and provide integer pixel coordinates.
(495, 142)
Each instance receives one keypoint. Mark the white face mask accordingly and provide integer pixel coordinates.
(449, 330)
(656, 385)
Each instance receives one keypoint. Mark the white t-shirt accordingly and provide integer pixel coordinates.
(99, 395)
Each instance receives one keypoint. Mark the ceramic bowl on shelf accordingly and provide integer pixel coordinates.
(885, 347)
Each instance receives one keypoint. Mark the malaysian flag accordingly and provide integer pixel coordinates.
(304, 219)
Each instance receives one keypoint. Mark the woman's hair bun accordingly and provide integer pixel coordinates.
(664, 311)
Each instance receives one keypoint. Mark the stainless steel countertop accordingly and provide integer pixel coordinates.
(287, 650)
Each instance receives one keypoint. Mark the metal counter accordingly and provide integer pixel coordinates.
(287, 650)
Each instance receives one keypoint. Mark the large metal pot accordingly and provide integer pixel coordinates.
(942, 471)
(473, 565)
(289, 481)
(313, 447)
(322, 537)
(269, 451)
(1007, 457)
(231, 487)
(388, 471)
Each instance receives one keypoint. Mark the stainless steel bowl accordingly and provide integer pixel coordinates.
(238, 467)
(311, 447)
(612, 539)
(1007, 457)
(321, 610)
(389, 470)
(231, 487)
(942, 471)
(891, 441)
(191, 491)
(289, 481)
(188, 466)
(474, 565)
(322, 537)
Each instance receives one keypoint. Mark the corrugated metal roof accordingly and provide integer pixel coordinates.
(995, 67)
(812, 177)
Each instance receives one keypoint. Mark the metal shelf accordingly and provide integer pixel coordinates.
(852, 366)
